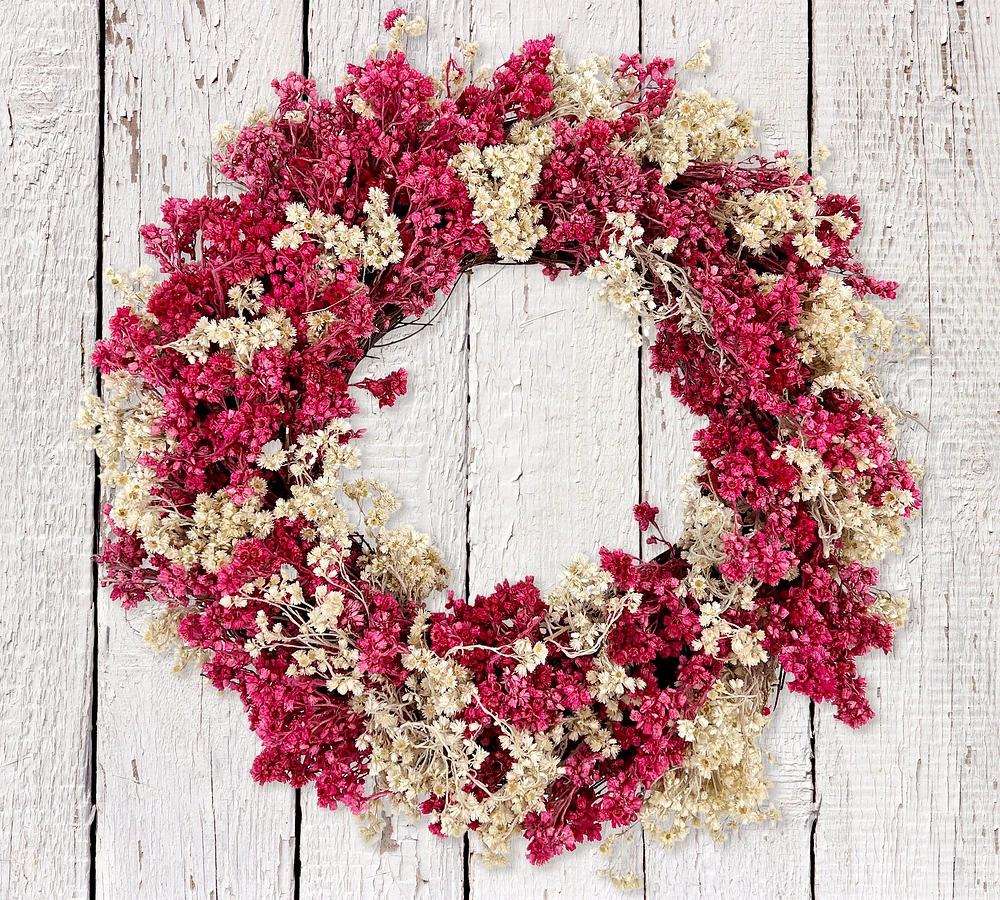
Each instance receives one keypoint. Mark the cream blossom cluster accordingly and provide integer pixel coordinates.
(123, 424)
(589, 90)
(763, 219)
(133, 288)
(224, 133)
(242, 338)
(696, 127)
(721, 784)
(624, 280)
(403, 27)
(419, 747)
(376, 244)
(839, 333)
(702, 545)
(404, 562)
(582, 608)
(501, 181)
(161, 633)
(628, 271)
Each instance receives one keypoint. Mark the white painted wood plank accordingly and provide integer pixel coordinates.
(418, 448)
(909, 104)
(760, 59)
(553, 441)
(48, 220)
(179, 815)
(868, 781)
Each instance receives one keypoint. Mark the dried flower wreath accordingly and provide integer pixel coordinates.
(632, 691)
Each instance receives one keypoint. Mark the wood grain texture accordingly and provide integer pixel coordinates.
(418, 448)
(48, 215)
(178, 814)
(760, 58)
(553, 431)
(513, 447)
(908, 804)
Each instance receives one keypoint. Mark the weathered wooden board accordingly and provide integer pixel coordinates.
(418, 448)
(48, 232)
(178, 815)
(908, 101)
(760, 58)
(553, 432)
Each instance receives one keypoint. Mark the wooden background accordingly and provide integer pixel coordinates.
(517, 446)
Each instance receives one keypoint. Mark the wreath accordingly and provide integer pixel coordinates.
(633, 691)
